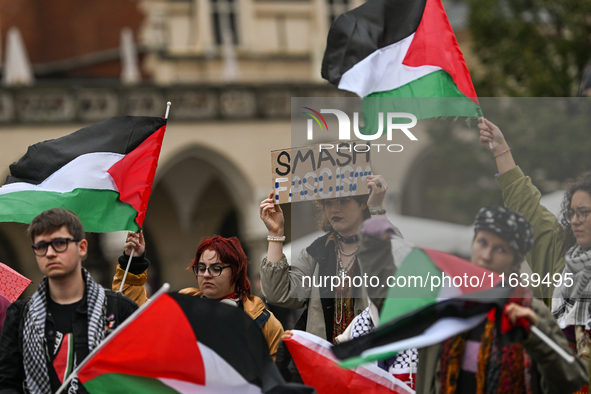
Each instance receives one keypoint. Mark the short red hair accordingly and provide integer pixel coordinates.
(229, 252)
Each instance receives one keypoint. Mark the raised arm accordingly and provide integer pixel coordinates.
(491, 134)
(134, 287)
(519, 194)
(272, 215)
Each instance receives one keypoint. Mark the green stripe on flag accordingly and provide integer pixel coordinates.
(116, 383)
(431, 96)
(101, 211)
(413, 286)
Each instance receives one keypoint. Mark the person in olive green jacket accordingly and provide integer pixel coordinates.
(561, 253)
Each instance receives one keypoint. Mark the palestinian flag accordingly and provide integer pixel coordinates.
(435, 297)
(179, 343)
(318, 368)
(103, 173)
(400, 49)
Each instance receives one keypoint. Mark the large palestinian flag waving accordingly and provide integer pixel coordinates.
(401, 49)
(434, 296)
(178, 343)
(103, 172)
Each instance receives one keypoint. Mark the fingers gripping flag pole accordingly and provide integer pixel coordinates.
(168, 104)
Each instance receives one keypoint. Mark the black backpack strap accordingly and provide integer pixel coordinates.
(262, 318)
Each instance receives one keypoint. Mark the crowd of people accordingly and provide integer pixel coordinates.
(45, 337)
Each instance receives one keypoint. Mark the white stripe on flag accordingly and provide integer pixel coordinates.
(368, 371)
(220, 376)
(383, 70)
(440, 331)
(87, 171)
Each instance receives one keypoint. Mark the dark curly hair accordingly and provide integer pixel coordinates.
(583, 182)
(322, 220)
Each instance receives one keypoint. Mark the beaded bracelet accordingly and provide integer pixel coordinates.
(503, 152)
(275, 239)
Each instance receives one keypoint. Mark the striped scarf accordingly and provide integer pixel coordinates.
(35, 351)
(501, 369)
(570, 304)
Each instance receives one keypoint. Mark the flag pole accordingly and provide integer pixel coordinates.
(165, 287)
(481, 116)
(126, 270)
(168, 104)
(569, 358)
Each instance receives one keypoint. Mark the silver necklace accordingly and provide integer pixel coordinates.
(347, 254)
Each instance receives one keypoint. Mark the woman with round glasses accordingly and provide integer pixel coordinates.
(220, 268)
(310, 280)
(562, 248)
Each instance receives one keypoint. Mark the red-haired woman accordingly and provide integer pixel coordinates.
(219, 266)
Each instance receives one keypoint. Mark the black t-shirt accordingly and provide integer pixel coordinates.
(66, 347)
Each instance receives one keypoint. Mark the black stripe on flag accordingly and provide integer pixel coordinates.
(416, 322)
(360, 32)
(120, 134)
(235, 337)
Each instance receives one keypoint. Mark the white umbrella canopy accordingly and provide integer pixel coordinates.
(424, 233)
(17, 67)
(130, 71)
(432, 234)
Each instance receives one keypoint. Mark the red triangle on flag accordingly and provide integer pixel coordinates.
(134, 174)
(435, 44)
(318, 368)
(141, 344)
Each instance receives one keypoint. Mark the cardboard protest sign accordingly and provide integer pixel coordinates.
(12, 284)
(320, 171)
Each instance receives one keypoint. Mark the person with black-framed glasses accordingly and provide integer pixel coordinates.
(220, 268)
(562, 246)
(44, 338)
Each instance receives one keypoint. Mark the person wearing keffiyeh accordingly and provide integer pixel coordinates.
(500, 355)
(46, 337)
(562, 245)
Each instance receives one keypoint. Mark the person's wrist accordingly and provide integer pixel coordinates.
(500, 148)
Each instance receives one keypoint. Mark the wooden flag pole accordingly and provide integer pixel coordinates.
(168, 104)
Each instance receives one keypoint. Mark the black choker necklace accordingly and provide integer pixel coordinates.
(347, 240)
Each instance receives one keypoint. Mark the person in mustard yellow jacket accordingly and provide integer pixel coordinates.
(220, 269)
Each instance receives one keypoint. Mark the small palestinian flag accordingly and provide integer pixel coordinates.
(400, 49)
(103, 173)
(178, 343)
(434, 296)
(319, 368)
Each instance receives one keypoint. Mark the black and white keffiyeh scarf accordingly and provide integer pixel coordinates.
(35, 351)
(570, 304)
(403, 362)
